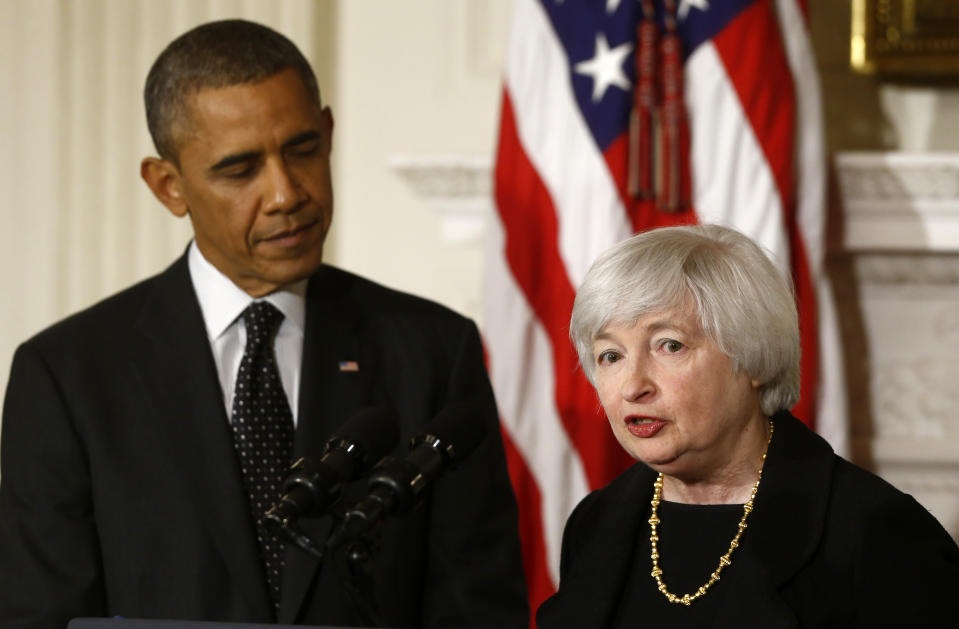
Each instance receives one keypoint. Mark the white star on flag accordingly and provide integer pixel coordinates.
(685, 5)
(606, 67)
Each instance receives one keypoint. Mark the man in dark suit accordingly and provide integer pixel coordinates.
(123, 492)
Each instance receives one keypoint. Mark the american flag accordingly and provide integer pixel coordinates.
(562, 194)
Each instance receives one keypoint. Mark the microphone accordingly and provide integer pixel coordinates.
(397, 484)
(312, 487)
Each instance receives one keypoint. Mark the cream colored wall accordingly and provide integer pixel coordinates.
(414, 79)
(405, 79)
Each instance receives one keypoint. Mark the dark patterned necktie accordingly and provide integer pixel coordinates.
(262, 429)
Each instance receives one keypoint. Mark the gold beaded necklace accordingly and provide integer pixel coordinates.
(687, 599)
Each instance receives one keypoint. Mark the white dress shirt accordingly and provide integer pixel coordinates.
(222, 302)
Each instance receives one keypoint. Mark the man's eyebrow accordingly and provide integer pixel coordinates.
(302, 137)
(237, 158)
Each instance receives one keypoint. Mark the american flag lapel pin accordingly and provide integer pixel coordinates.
(349, 365)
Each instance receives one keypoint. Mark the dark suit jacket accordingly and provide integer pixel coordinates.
(828, 545)
(121, 493)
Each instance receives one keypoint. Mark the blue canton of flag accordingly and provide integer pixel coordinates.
(592, 31)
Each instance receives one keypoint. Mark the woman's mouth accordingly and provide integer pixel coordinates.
(644, 427)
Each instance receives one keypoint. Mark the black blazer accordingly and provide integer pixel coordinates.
(121, 493)
(828, 545)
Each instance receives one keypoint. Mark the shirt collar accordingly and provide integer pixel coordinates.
(222, 301)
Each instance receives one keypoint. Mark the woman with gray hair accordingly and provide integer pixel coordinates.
(690, 337)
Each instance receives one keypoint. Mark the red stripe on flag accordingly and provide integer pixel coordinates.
(532, 232)
(751, 51)
(538, 584)
(805, 409)
(532, 539)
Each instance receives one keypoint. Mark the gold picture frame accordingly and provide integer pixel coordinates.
(905, 38)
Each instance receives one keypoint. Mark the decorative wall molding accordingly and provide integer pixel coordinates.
(934, 485)
(900, 201)
(457, 187)
(897, 279)
(895, 177)
(942, 479)
(917, 399)
(907, 269)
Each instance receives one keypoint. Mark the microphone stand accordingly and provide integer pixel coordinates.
(285, 528)
(356, 566)
(360, 582)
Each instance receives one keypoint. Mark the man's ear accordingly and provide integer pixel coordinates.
(163, 179)
(327, 117)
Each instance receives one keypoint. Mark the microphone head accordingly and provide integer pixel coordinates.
(456, 431)
(368, 435)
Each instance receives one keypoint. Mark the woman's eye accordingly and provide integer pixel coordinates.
(607, 357)
(671, 346)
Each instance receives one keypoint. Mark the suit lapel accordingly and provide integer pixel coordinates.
(336, 382)
(179, 374)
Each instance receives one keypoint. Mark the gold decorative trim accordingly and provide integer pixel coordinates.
(905, 38)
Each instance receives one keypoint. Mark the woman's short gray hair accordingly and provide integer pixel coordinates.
(745, 304)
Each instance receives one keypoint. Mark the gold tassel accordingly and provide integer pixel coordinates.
(641, 142)
(672, 156)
